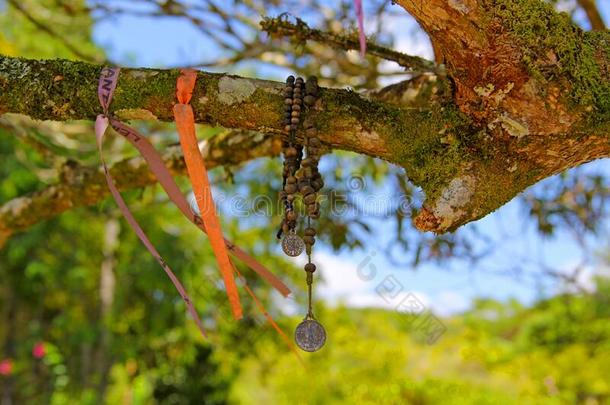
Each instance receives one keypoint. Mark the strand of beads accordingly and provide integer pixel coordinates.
(310, 334)
(292, 244)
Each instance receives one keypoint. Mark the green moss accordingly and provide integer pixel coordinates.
(416, 139)
(555, 49)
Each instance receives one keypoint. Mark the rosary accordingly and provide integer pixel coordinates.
(301, 176)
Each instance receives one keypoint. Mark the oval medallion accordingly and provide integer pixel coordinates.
(310, 335)
(292, 245)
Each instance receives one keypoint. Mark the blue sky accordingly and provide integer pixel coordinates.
(170, 42)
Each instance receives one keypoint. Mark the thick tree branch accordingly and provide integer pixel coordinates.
(82, 185)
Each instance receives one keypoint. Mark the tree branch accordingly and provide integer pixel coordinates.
(18, 5)
(301, 32)
(83, 185)
(593, 14)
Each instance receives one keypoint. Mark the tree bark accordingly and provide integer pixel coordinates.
(527, 95)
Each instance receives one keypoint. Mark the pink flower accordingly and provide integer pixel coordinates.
(6, 367)
(38, 351)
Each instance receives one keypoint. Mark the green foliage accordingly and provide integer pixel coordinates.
(555, 352)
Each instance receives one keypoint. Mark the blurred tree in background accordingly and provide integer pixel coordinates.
(87, 317)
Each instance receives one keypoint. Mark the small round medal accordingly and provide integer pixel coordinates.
(292, 245)
(310, 335)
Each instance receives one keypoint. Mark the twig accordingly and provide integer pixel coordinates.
(593, 14)
(300, 31)
(19, 7)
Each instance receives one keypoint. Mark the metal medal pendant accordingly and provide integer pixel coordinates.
(292, 245)
(310, 335)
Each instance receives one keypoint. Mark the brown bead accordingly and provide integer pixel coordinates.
(314, 214)
(299, 174)
(294, 120)
(290, 188)
(311, 87)
(309, 100)
(311, 132)
(309, 240)
(307, 172)
(287, 128)
(291, 216)
(315, 142)
(313, 151)
(309, 232)
(290, 152)
(297, 101)
(310, 198)
(285, 227)
(291, 180)
(308, 122)
(295, 114)
(296, 107)
(290, 197)
(288, 100)
(307, 162)
(290, 79)
(310, 267)
(306, 190)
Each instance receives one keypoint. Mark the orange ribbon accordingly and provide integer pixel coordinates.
(185, 123)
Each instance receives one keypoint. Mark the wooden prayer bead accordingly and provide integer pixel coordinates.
(309, 232)
(310, 267)
(309, 100)
(291, 180)
(306, 190)
(311, 132)
(307, 162)
(310, 198)
(309, 240)
(291, 215)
